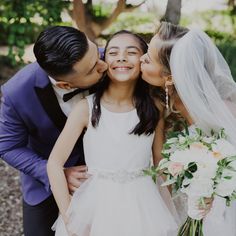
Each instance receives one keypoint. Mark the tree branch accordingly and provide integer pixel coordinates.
(79, 14)
(173, 11)
(120, 7)
(130, 7)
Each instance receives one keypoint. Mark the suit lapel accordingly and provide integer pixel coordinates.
(48, 99)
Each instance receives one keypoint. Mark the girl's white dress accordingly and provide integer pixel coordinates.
(118, 200)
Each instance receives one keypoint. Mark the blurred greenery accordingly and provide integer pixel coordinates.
(220, 26)
(100, 11)
(220, 20)
(228, 50)
(134, 21)
(21, 20)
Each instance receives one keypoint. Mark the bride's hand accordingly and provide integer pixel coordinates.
(205, 206)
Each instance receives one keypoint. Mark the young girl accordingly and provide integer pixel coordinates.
(121, 127)
(200, 88)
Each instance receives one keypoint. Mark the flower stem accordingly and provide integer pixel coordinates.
(191, 227)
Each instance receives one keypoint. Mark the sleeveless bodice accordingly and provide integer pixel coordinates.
(110, 146)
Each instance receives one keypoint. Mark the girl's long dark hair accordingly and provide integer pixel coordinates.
(146, 110)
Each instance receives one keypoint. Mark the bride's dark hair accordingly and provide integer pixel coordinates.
(147, 112)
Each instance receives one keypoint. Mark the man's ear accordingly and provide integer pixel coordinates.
(63, 85)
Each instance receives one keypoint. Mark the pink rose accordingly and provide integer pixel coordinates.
(175, 168)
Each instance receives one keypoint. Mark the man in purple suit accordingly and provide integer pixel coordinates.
(34, 107)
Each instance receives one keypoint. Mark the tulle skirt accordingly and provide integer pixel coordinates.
(102, 207)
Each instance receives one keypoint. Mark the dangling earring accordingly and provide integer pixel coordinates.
(167, 97)
(168, 83)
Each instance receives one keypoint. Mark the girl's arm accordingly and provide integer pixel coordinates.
(76, 122)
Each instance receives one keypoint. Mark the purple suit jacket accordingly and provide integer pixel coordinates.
(30, 123)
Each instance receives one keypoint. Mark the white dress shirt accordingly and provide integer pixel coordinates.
(66, 106)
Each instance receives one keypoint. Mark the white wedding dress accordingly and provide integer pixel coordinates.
(118, 200)
(220, 221)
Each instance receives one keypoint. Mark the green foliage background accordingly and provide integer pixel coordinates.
(22, 20)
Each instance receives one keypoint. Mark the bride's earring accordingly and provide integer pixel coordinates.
(168, 82)
(167, 97)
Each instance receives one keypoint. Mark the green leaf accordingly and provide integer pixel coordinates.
(188, 174)
(192, 167)
(227, 177)
(165, 155)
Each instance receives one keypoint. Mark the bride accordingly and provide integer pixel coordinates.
(198, 87)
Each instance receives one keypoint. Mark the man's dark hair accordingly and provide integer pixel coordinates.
(58, 48)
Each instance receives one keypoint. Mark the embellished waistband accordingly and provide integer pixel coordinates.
(119, 176)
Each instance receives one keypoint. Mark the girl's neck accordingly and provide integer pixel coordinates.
(119, 97)
(119, 93)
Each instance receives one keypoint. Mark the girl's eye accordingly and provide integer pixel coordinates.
(112, 53)
(132, 53)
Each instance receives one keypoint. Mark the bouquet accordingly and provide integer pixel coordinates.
(201, 166)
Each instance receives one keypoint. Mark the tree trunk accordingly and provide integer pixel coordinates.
(92, 28)
(231, 3)
(173, 12)
(232, 6)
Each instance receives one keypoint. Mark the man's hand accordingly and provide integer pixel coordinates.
(75, 176)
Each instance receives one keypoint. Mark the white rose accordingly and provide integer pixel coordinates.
(182, 139)
(196, 153)
(185, 156)
(208, 139)
(164, 163)
(230, 173)
(206, 169)
(170, 150)
(199, 145)
(172, 140)
(223, 147)
(225, 188)
(181, 156)
(175, 168)
(233, 164)
(201, 187)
